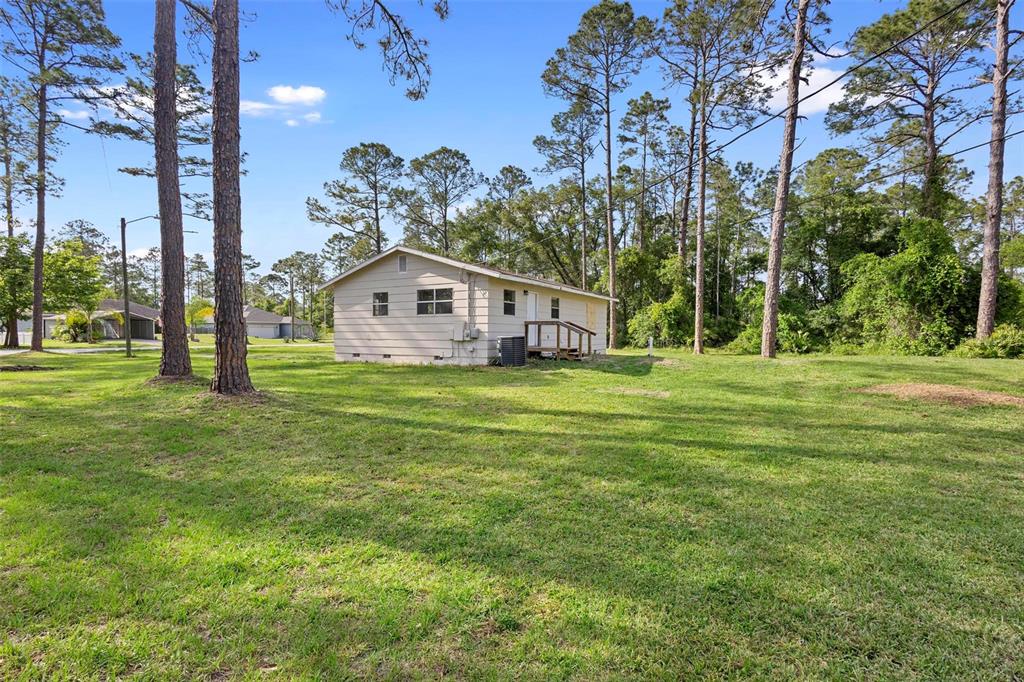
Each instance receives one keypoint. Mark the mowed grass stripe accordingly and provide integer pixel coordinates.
(684, 517)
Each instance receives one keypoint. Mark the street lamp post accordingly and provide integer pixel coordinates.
(127, 324)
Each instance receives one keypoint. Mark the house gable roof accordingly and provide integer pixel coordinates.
(260, 316)
(113, 305)
(471, 267)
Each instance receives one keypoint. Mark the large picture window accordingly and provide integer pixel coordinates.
(380, 304)
(510, 302)
(433, 302)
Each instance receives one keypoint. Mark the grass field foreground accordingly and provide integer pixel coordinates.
(687, 517)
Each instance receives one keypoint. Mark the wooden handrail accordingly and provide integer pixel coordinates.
(562, 323)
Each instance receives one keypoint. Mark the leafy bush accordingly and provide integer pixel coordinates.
(793, 335)
(748, 342)
(918, 301)
(670, 323)
(1006, 341)
(796, 333)
(74, 328)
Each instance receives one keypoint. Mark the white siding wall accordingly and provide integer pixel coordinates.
(404, 335)
(478, 303)
(572, 308)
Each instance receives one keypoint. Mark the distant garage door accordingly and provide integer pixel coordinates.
(262, 331)
(143, 329)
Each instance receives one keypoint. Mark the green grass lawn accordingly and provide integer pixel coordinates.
(694, 517)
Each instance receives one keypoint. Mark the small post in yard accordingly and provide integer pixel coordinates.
(127, 324)
(650, 346)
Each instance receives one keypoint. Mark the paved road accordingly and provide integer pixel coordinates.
(136, 345)
(103, 349)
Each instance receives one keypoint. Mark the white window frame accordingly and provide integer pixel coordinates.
(380, 308)
(506, 303)
(434, 301)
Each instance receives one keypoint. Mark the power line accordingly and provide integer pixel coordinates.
(709, 155)
(861, 64)
(884, 177)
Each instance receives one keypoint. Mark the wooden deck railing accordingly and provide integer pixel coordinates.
(561, 351)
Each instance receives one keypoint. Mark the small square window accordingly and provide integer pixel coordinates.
(380, 304)
(402, 264)
(355, 355)
(386, 356)
(554, 307)
(510, 302)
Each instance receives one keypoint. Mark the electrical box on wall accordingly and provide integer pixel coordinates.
(465, 333)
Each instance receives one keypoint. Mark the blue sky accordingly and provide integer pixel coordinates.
(485, 99)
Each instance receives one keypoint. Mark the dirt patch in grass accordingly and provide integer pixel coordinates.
(644, 392)
(944, 394)
(26, 368)
(190, 379)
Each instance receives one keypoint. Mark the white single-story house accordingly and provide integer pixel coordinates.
(145, 321)
(263, 324)
(406, 305)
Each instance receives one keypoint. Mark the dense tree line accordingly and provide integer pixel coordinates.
(874, 243)
(870, 245)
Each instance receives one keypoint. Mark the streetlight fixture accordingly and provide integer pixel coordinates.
(124, 279)
(127, 324)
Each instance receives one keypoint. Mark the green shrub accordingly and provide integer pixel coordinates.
(1006, 341)
(794, 337)
(74, 328)
(670, 323)
(748, 342)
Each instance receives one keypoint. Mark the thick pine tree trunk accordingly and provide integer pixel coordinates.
(230, 371)
(994, 200)
(770, 324)
(702, 179)
(175, 360)
(37, 270)
(613, 318)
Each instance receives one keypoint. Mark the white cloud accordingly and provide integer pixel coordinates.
(815, 105)
(291, 123)
(80, 115)
(312, 117)
(248, 107)
(306, 95)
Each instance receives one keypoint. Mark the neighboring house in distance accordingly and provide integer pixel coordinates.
(263, 324)
(405, 305)
(145, 321)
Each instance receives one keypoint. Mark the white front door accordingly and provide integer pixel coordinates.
(531, 314)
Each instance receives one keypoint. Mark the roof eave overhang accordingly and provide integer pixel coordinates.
(482, 270)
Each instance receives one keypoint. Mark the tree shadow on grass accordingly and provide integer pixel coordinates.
(318, 529)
